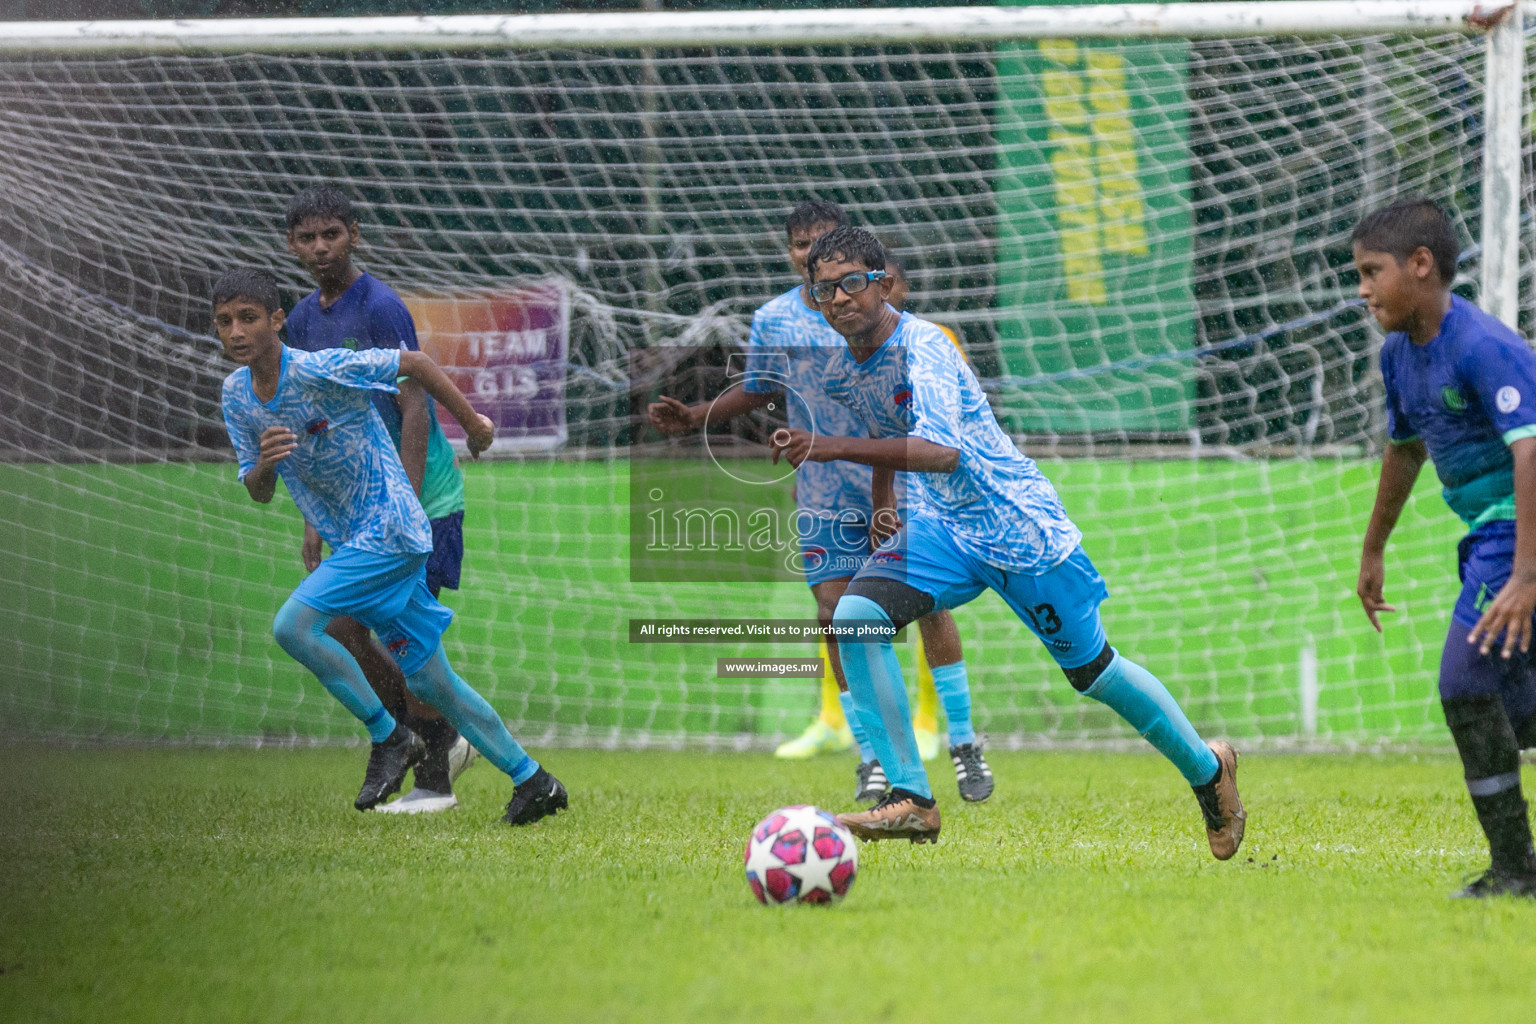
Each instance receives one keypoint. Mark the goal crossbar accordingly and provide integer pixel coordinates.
(750, 28)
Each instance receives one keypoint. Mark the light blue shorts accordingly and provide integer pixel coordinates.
(834, 546)
(386, 593)
(1061, 607)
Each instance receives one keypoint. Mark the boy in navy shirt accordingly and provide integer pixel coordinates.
(1461, 390)
(353, 310)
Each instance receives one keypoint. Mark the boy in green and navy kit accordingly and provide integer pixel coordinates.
(1461, 391)
(354, 310)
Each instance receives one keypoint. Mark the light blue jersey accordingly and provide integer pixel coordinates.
(998, 505)
(789, 350)
(344, 475)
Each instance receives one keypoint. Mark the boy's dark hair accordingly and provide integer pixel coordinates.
(815, 211)
(1407, 225)
(248, 283)
(854, 245)
(324, 201)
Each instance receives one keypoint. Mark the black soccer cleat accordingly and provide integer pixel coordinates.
(1496, 882)
(540, 796)
(972, 774)
(872, 783)
(387, 764)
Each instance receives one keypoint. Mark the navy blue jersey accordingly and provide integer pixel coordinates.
(370, 315)
(1468, 394)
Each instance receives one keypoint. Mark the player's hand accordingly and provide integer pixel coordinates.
(310, 549)
(277, 443)
(797, 446)
(478, 434)
(882, 526)
(1487, 16)
(1509, 616)
(1373, 574)
(669, 416)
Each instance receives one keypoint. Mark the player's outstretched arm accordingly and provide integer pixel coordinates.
(908, 454)
(672, 417)
(277, 443)
(1400, 466)
(1510, 612)
(479, 431)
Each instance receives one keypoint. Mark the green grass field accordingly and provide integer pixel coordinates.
(238, 885)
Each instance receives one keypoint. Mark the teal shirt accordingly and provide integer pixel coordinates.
(442, 485)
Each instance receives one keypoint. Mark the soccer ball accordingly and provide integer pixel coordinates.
(800, 854)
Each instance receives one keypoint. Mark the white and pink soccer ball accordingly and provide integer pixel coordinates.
(801, 854)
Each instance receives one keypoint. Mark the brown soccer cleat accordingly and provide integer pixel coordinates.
(1220, 804)
(895, 817)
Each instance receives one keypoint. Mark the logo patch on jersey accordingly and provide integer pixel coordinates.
(902, 395)
(349, 343)
(1453, 400)
(886, 556)
(1508, 399)
(399, 646)
(317, 426)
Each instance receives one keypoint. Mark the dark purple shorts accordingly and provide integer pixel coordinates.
(447, 556)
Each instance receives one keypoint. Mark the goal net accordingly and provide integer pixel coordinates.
(1142, 245)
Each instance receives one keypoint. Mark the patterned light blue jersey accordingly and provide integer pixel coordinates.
(344, 475)
(998, 504)
(789, 350)
(1468, 394)
(370, 315)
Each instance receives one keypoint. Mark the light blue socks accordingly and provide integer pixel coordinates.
(855, 726)
(954, 690)
(1141, 699)
(300, 630)
(437, 684)
(880, 695)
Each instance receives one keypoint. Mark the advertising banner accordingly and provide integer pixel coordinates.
(1095, 239)
(507, 351)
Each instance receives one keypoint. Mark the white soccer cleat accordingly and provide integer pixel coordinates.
(420, 801)
(460, 756)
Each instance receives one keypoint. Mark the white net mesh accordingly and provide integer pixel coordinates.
(1143, 246)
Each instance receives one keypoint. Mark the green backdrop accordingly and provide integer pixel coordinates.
(140, 600)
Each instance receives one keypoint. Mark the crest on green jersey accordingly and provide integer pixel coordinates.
(1453, 399)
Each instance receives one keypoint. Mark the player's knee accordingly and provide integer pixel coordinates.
(1084, 676)
(855, 608)
(430, 683)
(293, 627)
(898, 602)
(424, 687)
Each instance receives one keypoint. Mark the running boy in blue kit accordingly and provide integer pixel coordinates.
(309, 418)
(787, 355)
(1461, 390)
(985, 517)
(354, 310)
